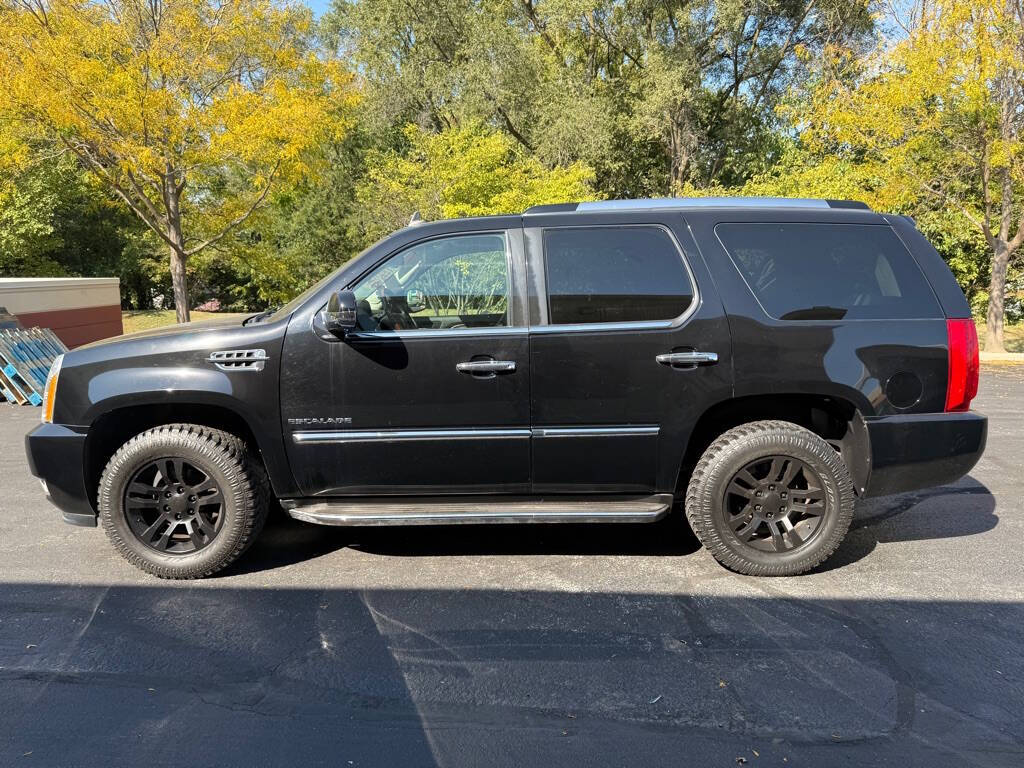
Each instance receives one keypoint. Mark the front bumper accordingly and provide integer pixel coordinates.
(916, 451)
(56, 455)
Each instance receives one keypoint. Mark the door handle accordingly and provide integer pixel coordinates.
(486, 367)
(675, 359)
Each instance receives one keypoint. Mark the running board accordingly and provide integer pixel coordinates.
(448, 511)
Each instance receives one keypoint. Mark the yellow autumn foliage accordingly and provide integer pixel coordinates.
(189, 110)
(467, 171)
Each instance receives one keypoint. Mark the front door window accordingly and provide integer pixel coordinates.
(448, 283)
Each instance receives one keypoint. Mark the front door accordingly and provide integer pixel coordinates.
(629, 346)
(430, 394)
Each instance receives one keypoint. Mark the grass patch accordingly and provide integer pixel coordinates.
(1013, 336)
(145, 319)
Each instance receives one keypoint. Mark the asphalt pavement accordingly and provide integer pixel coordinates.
(526, 646)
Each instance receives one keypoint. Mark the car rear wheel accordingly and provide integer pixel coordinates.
(770, 498)
(183, 501)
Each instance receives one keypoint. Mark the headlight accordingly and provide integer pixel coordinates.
(50, 390)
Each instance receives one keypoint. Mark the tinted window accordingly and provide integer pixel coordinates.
(614, 275)
(829, 271)
(447, 283)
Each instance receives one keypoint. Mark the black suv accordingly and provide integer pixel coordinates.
(763, 361)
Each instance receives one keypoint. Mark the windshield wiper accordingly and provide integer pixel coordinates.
(259, 317)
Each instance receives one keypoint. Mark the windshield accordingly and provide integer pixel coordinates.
(295, 303)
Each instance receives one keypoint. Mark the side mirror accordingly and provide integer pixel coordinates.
(340, 315)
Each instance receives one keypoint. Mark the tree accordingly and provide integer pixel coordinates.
(28, 232)
(940, 113)
(801, 172)
(55, 220)
(169, 101)
(652, 95)
(470, 171)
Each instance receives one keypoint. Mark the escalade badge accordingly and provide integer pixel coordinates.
(322, 420)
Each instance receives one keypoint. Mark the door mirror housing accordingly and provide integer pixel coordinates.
(340, 315)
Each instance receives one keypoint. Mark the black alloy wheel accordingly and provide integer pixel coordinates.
(183, 501)
(174, 506)
(770, 498)
(775, 504)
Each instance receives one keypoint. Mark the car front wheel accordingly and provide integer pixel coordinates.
(183, 501)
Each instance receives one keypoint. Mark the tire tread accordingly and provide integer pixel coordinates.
(251, 491)
(700, 509)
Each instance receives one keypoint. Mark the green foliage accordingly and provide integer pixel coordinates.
(190, 111)
(964, 248)
(306, 230)
(802, 172)
(650, 95)
(55, 221)
(29, 203)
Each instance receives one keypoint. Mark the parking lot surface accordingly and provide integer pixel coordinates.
(526, 646)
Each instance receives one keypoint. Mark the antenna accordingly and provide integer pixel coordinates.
(415, 218)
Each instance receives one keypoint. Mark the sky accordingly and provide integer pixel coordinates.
(318, 6)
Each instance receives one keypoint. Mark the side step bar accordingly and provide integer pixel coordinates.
(448, 511)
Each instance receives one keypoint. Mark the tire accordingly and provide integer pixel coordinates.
(796, 525)
(216, 495)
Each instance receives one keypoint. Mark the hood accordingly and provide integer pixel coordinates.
(202, 326)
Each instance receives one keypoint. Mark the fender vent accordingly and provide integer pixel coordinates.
(239, 359)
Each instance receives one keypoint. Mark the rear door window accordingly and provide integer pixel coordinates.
(614, 275)
(829, 271)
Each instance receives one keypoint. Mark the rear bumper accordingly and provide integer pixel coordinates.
(923, 450)
(56, 455)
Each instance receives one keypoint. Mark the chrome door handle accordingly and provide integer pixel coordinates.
(688, 358)
(479, 367)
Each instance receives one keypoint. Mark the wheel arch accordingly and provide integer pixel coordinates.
(836, 420)
(114, 427)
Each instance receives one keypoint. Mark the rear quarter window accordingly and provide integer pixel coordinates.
(829, 271)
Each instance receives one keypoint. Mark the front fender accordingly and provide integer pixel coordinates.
(174, 372)
(127, 387)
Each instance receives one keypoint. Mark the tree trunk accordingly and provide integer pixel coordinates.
(997, 298)
(179, 285)
(679, 157)
(179, 282)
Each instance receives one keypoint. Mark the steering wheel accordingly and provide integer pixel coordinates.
(395, 316)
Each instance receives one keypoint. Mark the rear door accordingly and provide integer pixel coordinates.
(828, 303)
(628, 346)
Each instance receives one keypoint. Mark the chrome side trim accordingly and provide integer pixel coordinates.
(594, 431)
(388, 435)
(434, 333)
(644, 509)
(640, 325)
(320, 437)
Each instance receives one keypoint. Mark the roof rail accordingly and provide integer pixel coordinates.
(697, 202)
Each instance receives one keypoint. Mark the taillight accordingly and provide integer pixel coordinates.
(962, 384)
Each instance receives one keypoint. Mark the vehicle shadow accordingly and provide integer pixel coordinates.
(285, 541)
(964, 509)
(168, 674)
